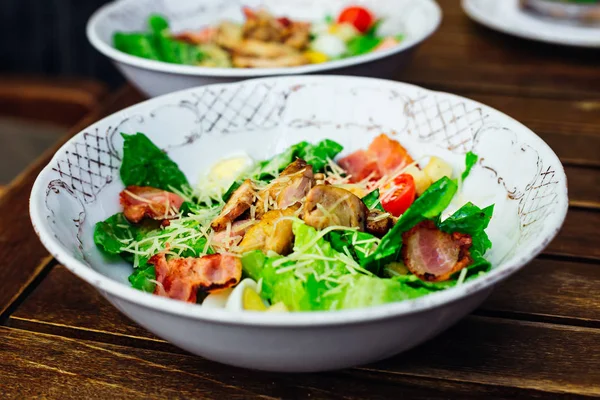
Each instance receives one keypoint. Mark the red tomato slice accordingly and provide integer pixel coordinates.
(400, 196)
(360, 17)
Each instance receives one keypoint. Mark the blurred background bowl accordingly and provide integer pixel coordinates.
(416, 19)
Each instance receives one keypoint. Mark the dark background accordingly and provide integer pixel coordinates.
(47, 38)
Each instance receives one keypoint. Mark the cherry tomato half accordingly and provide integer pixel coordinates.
(399, 196)
(360, 17)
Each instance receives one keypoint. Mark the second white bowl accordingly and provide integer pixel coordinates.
(416, 19)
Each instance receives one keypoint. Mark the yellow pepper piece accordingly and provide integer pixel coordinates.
(251, 301)
(278, 307)
(315, 57)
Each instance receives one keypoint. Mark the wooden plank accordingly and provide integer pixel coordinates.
(60, 101)
(579, 236)
(549, 290)
(23, 256)
(464, 56)
(584, 186)
(46, 365)
(81, 306)
(527, 355)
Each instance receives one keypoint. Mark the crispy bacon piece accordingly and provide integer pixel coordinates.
(384, 156)
(144, 201)
(434, 255)
(390, 154)
(360, 165)
(181, 278)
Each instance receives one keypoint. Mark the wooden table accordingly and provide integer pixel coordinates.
(537, 336)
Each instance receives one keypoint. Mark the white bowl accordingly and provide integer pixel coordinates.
(417, 19)
(518, 172)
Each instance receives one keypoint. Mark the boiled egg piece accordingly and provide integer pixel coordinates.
(330, 45)
(229, 169)
(245, 297)
(217, 300)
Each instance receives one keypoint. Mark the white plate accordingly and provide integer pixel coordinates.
(506, 16)
(517, 172)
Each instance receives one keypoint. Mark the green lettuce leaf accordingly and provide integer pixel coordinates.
(372, 201)
(142, 278)
(177, 52)
(283, 287)
(364, 291)
(113, 234)
(144, 164)
(253, 263)
(470, 160)
(361, 44)
(269, 169)
(314, 154)
(360, 245)
(157, 23)
(137, 44)
(318, 154)
(468, 219)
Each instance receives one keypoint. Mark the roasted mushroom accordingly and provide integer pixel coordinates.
(328, 206)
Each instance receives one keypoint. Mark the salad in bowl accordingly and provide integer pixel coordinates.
(297, 232)
(262, 40)
(164, 46)
(300, 223)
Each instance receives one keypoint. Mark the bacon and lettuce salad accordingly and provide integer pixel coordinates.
(302, 231)
(262, 40)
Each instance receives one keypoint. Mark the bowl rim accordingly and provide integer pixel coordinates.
(109, 287)
(159, 66)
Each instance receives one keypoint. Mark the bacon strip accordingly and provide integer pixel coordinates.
(144, 201)
(434, 255)
(181, 278)
(383, 156)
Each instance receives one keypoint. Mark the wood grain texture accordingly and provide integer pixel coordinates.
(59, 101)
(584, 186)
(466, 57)
(549, 290)
(54, 366)
(17, 237)
(579, 236)
(530, 355)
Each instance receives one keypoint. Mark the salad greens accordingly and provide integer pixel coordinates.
(158, 44)
(334, 268)
(317, 155)
(263, 40)
(372, 201)
(470, 160)
(144, 164)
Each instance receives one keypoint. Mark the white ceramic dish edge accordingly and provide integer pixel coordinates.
(544, 29)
